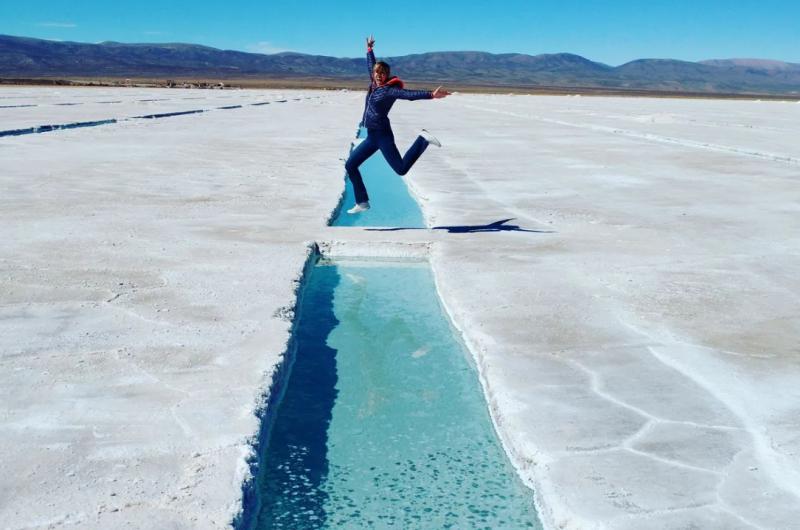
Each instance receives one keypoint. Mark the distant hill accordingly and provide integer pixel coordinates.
(21, 56)
(711, 76)
(763, 65)
(561, 69)
(34, 58)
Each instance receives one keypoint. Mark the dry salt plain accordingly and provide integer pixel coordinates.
(638, 347)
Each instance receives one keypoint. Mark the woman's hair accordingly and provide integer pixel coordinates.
(380, 65)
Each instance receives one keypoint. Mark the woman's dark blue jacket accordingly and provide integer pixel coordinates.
(381, 98)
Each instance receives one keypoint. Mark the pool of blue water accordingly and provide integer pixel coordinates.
(392, 204)
(383, 423)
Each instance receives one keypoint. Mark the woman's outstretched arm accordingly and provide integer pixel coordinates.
(412, 95)
(440, 93)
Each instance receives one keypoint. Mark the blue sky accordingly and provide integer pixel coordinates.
(609, 31)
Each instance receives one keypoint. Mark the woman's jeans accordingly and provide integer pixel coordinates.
(383, 140)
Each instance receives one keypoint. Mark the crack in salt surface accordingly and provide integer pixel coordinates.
(772, 157)
(764, 453)
(595, 385)
(688, 508)
(187, 430)
(627, 444)
(725, 507)
(149, 375)
(675, 463)
(131, 312)
(761, 445)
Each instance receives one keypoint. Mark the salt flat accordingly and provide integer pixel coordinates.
(144, 269)
(639, 351)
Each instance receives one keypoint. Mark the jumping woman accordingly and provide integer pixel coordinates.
(384, 90)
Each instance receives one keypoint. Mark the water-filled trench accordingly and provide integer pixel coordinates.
(382, 422)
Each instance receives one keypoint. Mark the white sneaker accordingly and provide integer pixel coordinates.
(430, 138)
(358, 208)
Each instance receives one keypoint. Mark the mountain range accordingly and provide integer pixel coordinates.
(22, 57)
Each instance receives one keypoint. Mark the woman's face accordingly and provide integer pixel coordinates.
(379, 74)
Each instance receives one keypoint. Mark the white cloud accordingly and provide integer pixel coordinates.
(57, 25)
(265, 47)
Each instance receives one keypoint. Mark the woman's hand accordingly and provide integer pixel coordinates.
(370, 41)
(440, 93)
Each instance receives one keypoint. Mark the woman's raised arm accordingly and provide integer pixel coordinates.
(370, 55)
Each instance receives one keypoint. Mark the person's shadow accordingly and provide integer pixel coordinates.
(497, 226)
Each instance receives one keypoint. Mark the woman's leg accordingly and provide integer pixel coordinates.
(364, 150)
(392, 155)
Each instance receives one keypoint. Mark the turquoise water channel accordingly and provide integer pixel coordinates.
(382, 423)
(392, 204)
